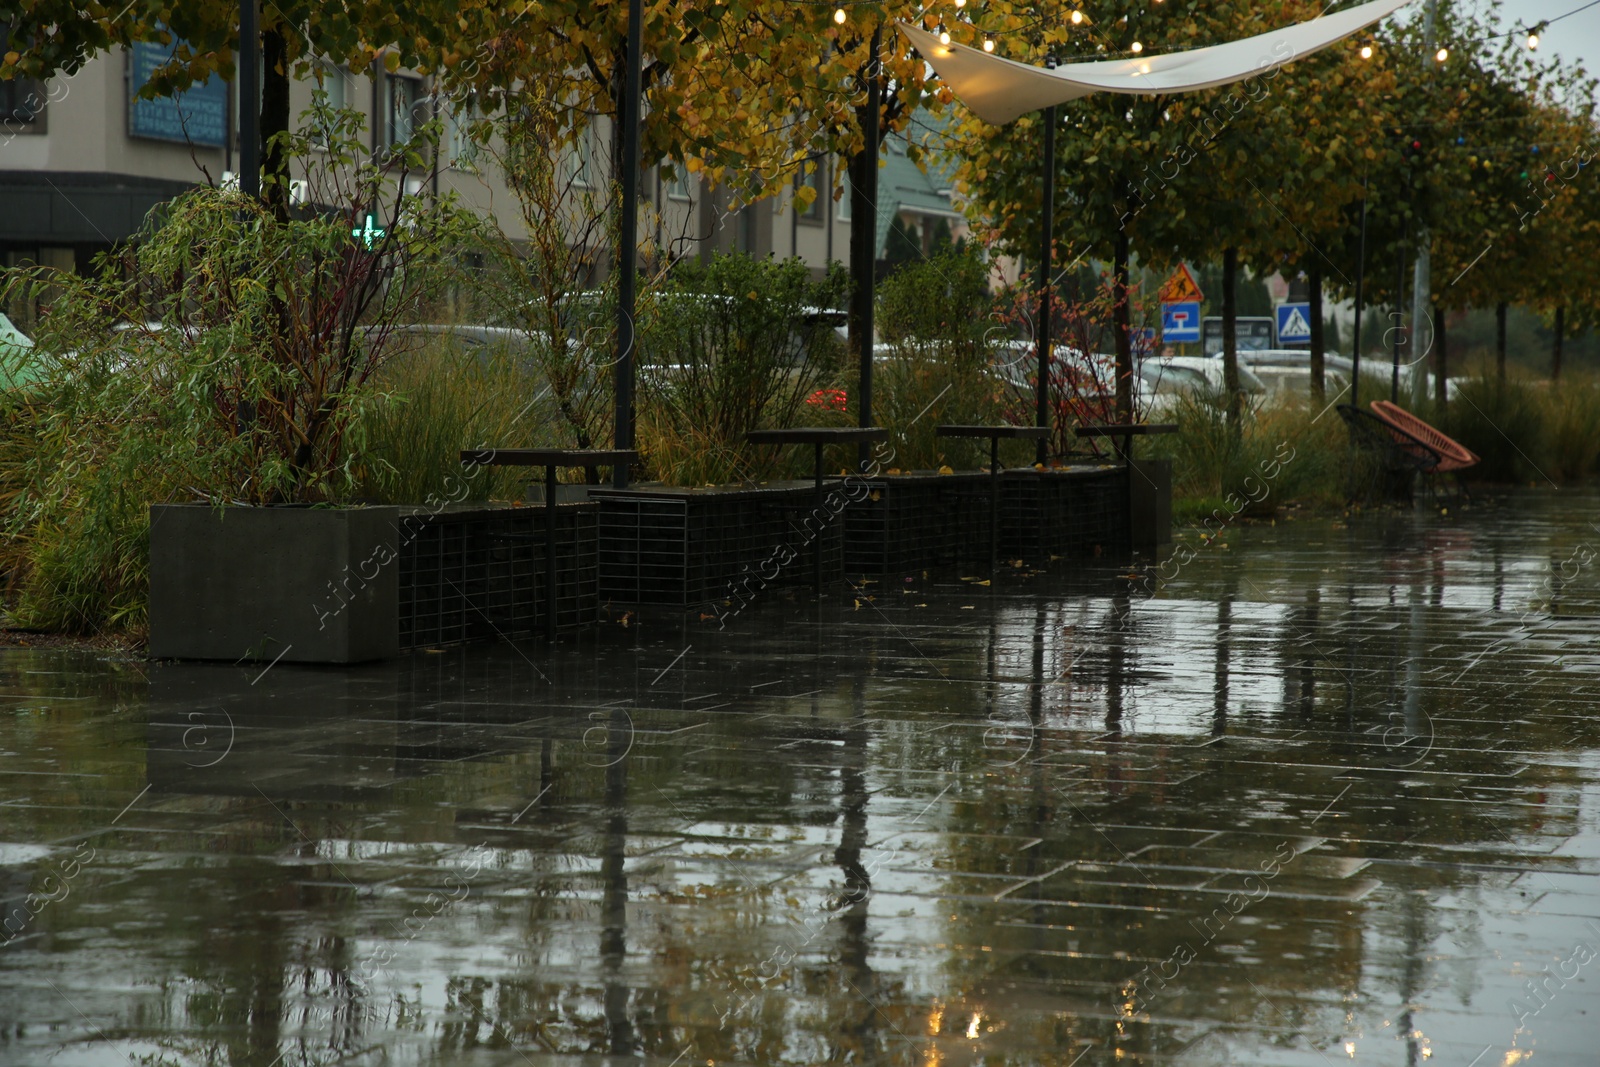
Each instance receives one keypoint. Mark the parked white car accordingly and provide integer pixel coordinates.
(1288, 370)
(1014, 363)
(1165, 379)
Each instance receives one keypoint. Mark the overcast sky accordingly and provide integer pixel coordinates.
(1576, 38)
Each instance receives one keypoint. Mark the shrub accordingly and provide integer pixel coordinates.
(1573, 429)
(1210, 460)
(936, 318)
(224, 356)
(1504, 422)
(733, 346)
(567, 228)
(436, 401)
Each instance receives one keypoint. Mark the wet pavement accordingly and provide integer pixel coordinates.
(1330, 796)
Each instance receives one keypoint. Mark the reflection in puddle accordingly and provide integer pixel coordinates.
(1329, 796)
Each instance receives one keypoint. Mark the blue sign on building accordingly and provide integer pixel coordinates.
(198, 116)
(1294, 324)
(1180, 323)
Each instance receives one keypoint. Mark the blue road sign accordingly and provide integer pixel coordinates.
(1294, 324)
(1180, 323)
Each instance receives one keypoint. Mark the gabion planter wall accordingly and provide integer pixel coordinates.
(689, 547)
(1068, 511)
(909, 522)
(345, 585)
(479, 574)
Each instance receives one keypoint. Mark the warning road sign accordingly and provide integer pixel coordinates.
(1294, 324)
(1181, 288)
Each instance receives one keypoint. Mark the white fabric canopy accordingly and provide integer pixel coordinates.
(998, 90)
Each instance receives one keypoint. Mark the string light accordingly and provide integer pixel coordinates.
(1533, 42)
(960, 4)
(1137, 47)
(944, 35)
(839, 16)
(1077, 18)
(1443, 54)
(988, 42)
(1366, 51)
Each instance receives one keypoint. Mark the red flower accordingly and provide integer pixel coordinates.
(829, 398)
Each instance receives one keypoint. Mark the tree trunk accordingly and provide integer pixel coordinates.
(274, 120)
(1120, 327)
(1319, 392)
(1500, 340)
(1555, 356)
(1230, 336)
(862, 168)
(1441, 375)
(863, 262)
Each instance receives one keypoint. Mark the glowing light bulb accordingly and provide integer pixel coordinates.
(1077, 18)
(1443, 54)
(1137, 47)
(1366, 51)
(944, 36)
(960, 4)
(988, 44)
(839, 16)
(1533, 41)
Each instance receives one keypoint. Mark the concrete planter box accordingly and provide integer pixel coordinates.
(1150, 502)
(301, 585)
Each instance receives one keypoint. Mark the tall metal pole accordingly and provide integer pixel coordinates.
(1046, 248)
(1398, 334)
(249, 99)
(868, 264)
(1422, 279)
(1361, 277)
(628, 108)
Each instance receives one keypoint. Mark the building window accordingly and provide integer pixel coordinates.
(22, 105)
(812, 180)
(580, 159)
(678, 185)
(408, 108)
(463, 150)
(333, 85)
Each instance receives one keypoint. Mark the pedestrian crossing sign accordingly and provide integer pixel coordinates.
(1294, 324)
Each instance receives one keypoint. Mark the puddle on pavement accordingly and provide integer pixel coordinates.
(1330, 796)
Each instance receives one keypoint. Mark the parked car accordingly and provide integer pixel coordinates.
(1167, 378)
(1155, 368)
(1288, 370)
(1014, 363)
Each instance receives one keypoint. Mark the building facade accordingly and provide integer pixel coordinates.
(83, 160)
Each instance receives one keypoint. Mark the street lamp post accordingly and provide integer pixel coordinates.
(628, 108)
(1361, 278)
(249, 99)
(865, 269)
(1047, 241)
